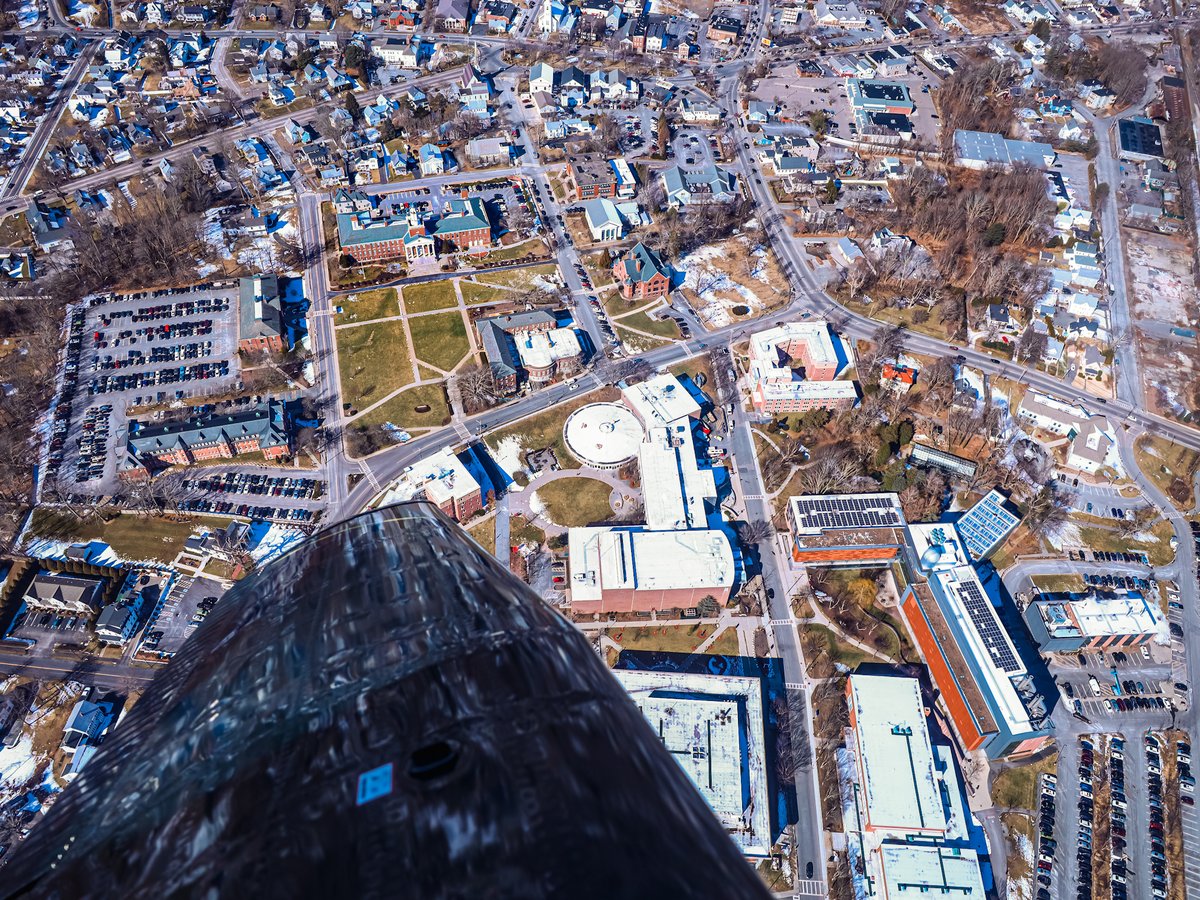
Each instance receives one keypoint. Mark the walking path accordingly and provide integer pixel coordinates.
(503, 541)
(522, 500)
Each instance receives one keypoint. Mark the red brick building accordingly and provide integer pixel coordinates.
(641, 274)
(593, 177)
(260, 315)
(154, 446)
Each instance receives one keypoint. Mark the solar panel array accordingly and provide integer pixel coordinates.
(980, 611)
(848, 512)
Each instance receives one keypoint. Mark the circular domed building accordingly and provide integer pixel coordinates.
(603, 435)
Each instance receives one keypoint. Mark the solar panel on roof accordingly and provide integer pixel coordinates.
(982, 616)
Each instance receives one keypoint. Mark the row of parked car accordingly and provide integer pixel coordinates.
(253, 483)
(1121, 582)
(1086, 809)
(264, 513)
(1116, 780)
(1110, 556)
(93, 443)
(169, 375)
(168, 310)
(1158, 852)
(135, 357)
(60, 426)
(1047, 843)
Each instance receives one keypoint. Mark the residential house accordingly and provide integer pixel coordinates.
(431, 159)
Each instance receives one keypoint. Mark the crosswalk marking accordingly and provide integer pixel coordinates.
(807, 888)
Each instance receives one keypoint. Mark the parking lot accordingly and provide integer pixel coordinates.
(1127, 765)
(694, 149)
(139, 350)
(267, 494)
(49, 629)
(179, 615)
(498, 194)
(803, 96)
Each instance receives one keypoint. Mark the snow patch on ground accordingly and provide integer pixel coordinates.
(271, 540)
(214, 235)
(1023, 889)
(536, 506)
(508, 456)
(716, 269)
(82, 12)
(1067, 535)
(18, 765)
(99, 553)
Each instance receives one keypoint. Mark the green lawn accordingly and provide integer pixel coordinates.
(823, 649)
(545, 429)
(572, 502)
(402, 410)
(440, 340)
(1171, 467)
(664, 328)
(694, 367)
(522, 531)
(638, 343)
(484, 533)
(1059, 583)
(517, 277)
(667, 638)
(1159, 551)
(368, 305)
(373, 361)
(1016, 787)
(132, 537)
(474, 294)
(429, 296)
(518, 251)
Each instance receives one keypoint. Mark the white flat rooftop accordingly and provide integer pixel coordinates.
(674, 487)
(603, 435)
(713, 726)
(901, 783)
(630, 558)
(538, 349)
(439, 477)
(924, 872)
(661, 400)
(1098, 615)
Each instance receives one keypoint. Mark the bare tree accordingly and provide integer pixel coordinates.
(476, 386)
(1047, 509)
(754, 532)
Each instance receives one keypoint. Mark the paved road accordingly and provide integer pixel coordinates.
(338, 467)
(1108, 171)
(105, 674)
(15, 183)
